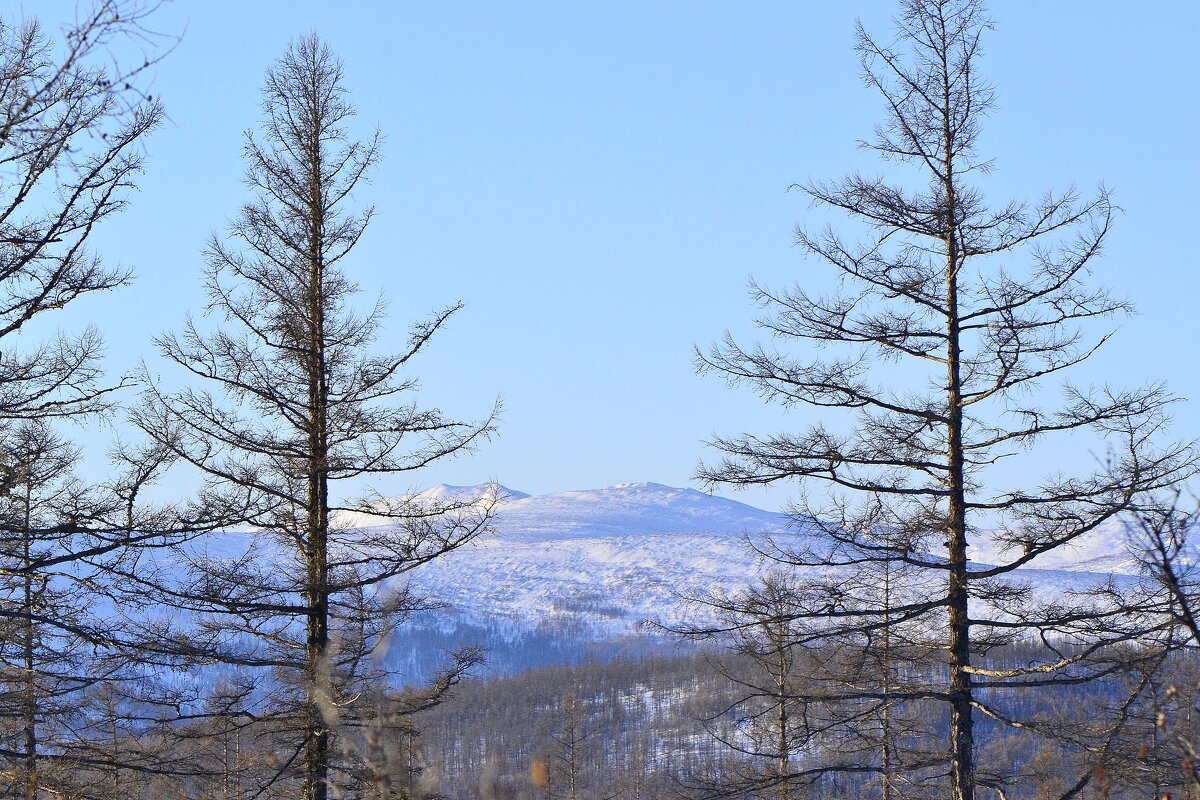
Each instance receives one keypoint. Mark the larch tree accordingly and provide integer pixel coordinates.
(930, 364)
(769, 722)
(292, 401)
(44, 663)
(64, 545)
(71, 138)
(1162, 536)
(797, 684)
(73, 124)
(567, 747)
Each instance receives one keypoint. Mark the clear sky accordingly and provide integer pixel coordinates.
(597, 181)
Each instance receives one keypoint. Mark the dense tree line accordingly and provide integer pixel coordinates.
(236, 643)
(654, 728)
(660, 727)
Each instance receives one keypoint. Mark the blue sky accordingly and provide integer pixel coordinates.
(598, 181)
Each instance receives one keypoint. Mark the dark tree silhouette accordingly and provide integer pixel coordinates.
(1162, 537)
(298, 401)
(71, 133)
(73, 120)
(934, 357)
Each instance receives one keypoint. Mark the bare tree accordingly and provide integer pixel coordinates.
(796, 684)
(73, 120)
(771, 718)
(1161, 539)
(71, 132)
(43, 652)
(300, 403)
(937, 349)
(567, 742)
(63, 545)
(1161, 536)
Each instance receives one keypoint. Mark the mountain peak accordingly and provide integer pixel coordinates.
(644, 485)
(475, 491)
(628, 509)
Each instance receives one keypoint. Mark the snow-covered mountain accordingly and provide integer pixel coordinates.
(629, 509)
(580, 573)
(579, 568)
(621, 510)
(610, 557)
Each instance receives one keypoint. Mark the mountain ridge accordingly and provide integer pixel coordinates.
(565, 572)
(638, 546)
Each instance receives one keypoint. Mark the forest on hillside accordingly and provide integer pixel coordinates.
(237, 640)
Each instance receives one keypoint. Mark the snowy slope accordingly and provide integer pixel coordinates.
(579, 573)
(600, 560)
(605, 560)
(565, 572)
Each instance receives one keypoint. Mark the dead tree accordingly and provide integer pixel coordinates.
(567, 749)
(44, 658)
(795, 684)
(936, 352)
(71, 138)
(73, 123)
(1162, 538)
(771, 720)
(64, 543)
(293, 401)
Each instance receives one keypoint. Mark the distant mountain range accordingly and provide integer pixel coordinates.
(606, 559)
(573, 573)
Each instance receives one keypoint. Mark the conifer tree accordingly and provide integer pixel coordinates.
(930, 364)
(291, 401)
(73, 125)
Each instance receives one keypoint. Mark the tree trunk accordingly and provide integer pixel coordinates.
(30, 709)
(28, 643)
(885, 721)
(962, 767)
(319, 690)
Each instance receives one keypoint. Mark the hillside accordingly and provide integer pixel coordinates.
(581, 573)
